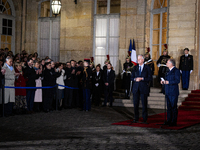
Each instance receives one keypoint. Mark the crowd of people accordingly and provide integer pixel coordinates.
(65, 85)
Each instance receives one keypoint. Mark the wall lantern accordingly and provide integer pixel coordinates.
(56, 6)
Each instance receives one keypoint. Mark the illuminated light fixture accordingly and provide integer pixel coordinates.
(56, 7)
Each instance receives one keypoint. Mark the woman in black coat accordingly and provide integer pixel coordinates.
(97, 82)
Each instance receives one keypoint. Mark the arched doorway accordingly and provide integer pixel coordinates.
(7, 24)
(48, 31)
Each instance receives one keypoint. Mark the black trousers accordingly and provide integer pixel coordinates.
(48, 99)
(108, 95)
(136, 102)
(68, 97)
(97, 95)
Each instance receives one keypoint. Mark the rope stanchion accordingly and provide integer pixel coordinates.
(44, 87)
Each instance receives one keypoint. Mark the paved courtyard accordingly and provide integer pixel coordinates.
(74, 129)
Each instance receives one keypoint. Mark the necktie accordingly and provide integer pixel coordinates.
(140, 70)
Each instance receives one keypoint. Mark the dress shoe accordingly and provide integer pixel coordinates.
(135, 121)
(173, 124)
(167, 123)
(144, 122)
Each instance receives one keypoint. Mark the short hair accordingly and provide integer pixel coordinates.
(8, 58)
(172, 61)
(80, 61)
(72, 60)
(98, 66)
(29, 59)
(141, 56)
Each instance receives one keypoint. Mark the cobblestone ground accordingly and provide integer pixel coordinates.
(74, 129)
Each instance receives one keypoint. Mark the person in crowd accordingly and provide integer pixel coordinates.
(106, 63)
(70, 73)
(55, 76)
(141, 76)
(80, 69)
(186, 68)
(161, 63)
(38, 92)
(172, 91)
(108, 80)
(128, 66)
(9, 81)
(60, 81)
(49, 77)
(97, 81)
(148, 61)
(86, 83)
(20, 94)
(30, 75)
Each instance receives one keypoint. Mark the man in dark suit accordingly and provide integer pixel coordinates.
(172, 92)
(141, 76)
(186, 68)
(108, 79)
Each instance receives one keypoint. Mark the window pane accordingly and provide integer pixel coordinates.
(5, 22)
(114, 46)
(45, 9)
(156, 21)
(164, 20)
(155, 56)
(3, 38)
(4, 30)
(157, 4)
(101, 6)
(100, 60)
(156, 35)
(9, 31)
(115, 6)
(9, 39)
(164, 36)
(101, 27)
(9, 23)
(100, 46)
(114, 27)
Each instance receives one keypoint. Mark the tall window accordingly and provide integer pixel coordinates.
(106, 31)
(7, 24)
(159, 28)
(48, 32)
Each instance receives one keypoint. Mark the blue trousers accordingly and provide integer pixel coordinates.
(30, 95)
(172, 111)
(86, 99)
(185, 79)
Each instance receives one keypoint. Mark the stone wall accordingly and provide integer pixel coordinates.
(132, 21)
(76, 30)
(182, 33)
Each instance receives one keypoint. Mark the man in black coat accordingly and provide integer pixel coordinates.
(186, 68)
(108, 79)
(141, 76)
(70, 73)
(30, 75)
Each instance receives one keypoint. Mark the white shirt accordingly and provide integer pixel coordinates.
(108, 71)
(97, 73)
(171, 68)
(186, 55)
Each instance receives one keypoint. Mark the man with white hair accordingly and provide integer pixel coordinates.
(141, 75)
(9, 81)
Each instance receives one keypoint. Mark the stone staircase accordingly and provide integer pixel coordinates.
(155, 99)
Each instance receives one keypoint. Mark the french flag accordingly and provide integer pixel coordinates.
(132, 51)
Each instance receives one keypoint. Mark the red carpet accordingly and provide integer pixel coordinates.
(185, 119)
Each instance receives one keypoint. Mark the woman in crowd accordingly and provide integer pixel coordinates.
(97, 85)
(20, 94)
(60, 81)
(38, 92)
